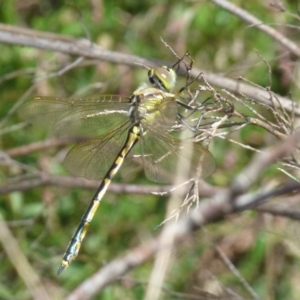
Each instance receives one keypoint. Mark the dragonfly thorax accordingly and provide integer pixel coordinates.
(146, 103)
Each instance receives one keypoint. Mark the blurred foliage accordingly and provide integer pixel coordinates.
(219, 42)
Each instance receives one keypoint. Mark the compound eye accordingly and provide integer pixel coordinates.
(162, 78)
(151, 76)
(167, 77)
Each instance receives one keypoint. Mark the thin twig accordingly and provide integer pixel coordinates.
(253, 21)
(76, 182)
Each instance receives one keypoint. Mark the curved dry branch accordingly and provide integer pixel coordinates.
(77, 182)
(84, 48)
(280, 210)
(42, 145)
(255, 22)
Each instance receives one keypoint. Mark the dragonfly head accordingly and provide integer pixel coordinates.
(163, 78)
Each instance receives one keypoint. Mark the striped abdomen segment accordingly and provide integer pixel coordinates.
(75, 243)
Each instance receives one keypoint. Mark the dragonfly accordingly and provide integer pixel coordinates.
(114, 125)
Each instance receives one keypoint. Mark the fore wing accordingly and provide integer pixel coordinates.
(67, 116)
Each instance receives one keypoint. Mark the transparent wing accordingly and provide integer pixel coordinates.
(166, 157)
(67, 116)
(93, 158)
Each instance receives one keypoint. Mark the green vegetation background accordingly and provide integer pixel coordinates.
(219, 42)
